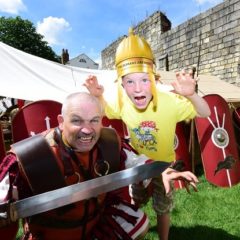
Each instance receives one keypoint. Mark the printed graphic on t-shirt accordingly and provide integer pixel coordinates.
(145, 135)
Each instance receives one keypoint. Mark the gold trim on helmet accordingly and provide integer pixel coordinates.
(133, 65)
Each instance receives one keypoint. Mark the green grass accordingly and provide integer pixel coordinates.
(212, 213)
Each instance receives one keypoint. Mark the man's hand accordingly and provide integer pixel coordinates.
(140, 193)
(93, 86)
(188, 177)
(185, 83)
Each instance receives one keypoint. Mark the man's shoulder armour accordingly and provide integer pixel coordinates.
(109, 145)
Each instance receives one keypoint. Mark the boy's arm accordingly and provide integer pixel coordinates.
(200, 105)
(188, 177)
(95, 88)
(185, 86)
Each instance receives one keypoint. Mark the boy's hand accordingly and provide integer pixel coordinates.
(185, 83)
(93, 87)
(188, 177)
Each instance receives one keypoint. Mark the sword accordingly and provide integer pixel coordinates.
(80, 191)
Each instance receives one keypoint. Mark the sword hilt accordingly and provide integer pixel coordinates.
(3, 210)
(8, 213)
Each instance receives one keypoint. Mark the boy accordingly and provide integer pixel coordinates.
(150, 115)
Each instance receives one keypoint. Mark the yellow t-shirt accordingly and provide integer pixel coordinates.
(152, 132)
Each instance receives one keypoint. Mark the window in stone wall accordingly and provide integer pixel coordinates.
(163, 62)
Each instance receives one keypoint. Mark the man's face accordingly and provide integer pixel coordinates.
(81, 125)
(138, 89)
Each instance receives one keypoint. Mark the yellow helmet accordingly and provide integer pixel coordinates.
(135, 55)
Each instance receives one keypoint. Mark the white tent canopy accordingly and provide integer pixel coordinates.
(24, 76)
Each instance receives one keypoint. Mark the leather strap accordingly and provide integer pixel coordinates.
(38, 164)
(110, 149)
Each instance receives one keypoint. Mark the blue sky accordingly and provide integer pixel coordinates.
(89, 26)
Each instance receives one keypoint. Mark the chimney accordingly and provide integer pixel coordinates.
(65, 56)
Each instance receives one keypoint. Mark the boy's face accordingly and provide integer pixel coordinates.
(138, 89)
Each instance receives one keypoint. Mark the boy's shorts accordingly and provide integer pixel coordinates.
(161, 203)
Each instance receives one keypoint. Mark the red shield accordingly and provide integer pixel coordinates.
(218, 145)
(34, 118)
(118, 125)
(181, 151)
(236, 124)
(236, 116)
(2, 145)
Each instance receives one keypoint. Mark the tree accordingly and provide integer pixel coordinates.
(21, 34)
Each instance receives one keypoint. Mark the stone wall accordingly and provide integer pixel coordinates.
(151, 29)
(210, 40)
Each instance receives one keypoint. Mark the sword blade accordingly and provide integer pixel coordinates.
(84, 190)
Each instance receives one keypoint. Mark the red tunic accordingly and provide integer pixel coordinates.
(81, 219)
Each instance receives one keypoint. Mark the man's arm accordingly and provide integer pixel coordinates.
(8, 229)
(170, 174)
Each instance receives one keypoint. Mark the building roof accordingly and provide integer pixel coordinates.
(208, 84)
(83, 60)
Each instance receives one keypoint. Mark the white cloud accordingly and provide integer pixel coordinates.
(53, 29)
(201, 2)
(12, 6)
